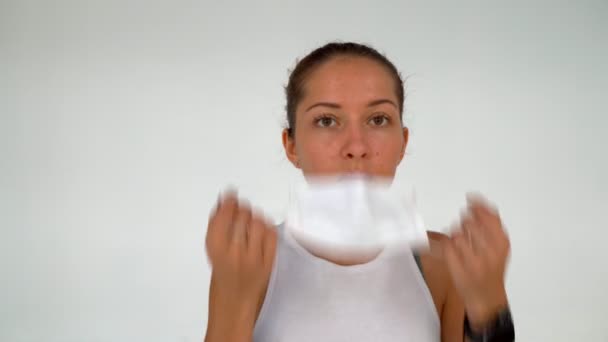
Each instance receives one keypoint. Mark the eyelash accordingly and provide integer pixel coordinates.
(321, 117)
(384, 116)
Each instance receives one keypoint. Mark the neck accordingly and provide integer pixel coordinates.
(338, 256)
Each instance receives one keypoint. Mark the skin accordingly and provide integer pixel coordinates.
(338, 131)
(348, 121)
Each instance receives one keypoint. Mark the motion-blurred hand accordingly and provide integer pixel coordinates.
(476, 255)
(241, 246)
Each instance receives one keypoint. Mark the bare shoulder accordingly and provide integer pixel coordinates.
(434, 255)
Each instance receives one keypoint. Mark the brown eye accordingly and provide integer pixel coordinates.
(325, 121)
(379, 120)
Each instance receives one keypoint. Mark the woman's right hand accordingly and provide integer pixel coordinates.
(241, 245)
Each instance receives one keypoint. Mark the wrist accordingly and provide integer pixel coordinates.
(230, 326)
(227, 335)
(482, 312)
(232, 315)
(501, 329)
(230, 319)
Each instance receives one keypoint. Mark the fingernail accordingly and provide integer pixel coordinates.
(229, 192)
(475, 197)
(464, 213)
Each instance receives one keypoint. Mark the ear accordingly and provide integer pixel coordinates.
(406, 136)
(289, 144)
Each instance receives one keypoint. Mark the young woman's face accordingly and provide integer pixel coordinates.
(348, 121)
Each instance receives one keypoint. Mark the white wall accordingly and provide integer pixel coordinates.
(120, 122)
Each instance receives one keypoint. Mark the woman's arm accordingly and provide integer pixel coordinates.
(229, 319)
(448, 301)
(452, 317)
(241, 247)
(452, 322)
(476, 256)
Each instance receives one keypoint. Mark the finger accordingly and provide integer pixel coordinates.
(487, 215)
(256, 235)
(211, 235)
(476, 233)
(240, 224)
(453, 259)
(478, 237)
(457, 237)
(214, 210)
(466, 223)
(220, 224)
(485, 253)
(227, 212)
(465, 251)
(213, 215)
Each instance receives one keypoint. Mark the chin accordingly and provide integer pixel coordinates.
(345, 174)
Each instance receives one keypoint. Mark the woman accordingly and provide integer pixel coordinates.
(344, 112)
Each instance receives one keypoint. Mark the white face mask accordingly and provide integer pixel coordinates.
(353, 213)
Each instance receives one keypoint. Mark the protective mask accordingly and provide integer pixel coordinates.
(353, 213)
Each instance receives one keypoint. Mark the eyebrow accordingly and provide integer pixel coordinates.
(335, 105)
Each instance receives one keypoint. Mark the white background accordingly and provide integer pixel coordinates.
(121, 122)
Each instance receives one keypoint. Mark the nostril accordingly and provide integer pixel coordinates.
(351, 156)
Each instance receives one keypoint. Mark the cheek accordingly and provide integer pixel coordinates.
(321, 156)
(317, 153)
(387, 153)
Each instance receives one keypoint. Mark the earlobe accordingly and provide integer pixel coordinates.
(406, 135)
(290, 148)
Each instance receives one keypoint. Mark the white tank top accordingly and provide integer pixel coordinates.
(312, 299)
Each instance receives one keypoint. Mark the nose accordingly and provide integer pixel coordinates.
(355, 145)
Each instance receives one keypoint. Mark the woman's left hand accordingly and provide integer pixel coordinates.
(476, 256)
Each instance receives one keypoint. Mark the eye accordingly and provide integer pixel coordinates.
(325, 121)
(380, 120)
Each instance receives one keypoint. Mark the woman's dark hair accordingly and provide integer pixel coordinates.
(304, 67)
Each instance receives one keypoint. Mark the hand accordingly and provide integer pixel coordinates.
(241, 246)
(476, 256)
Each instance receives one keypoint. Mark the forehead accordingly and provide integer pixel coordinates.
(349, 79)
